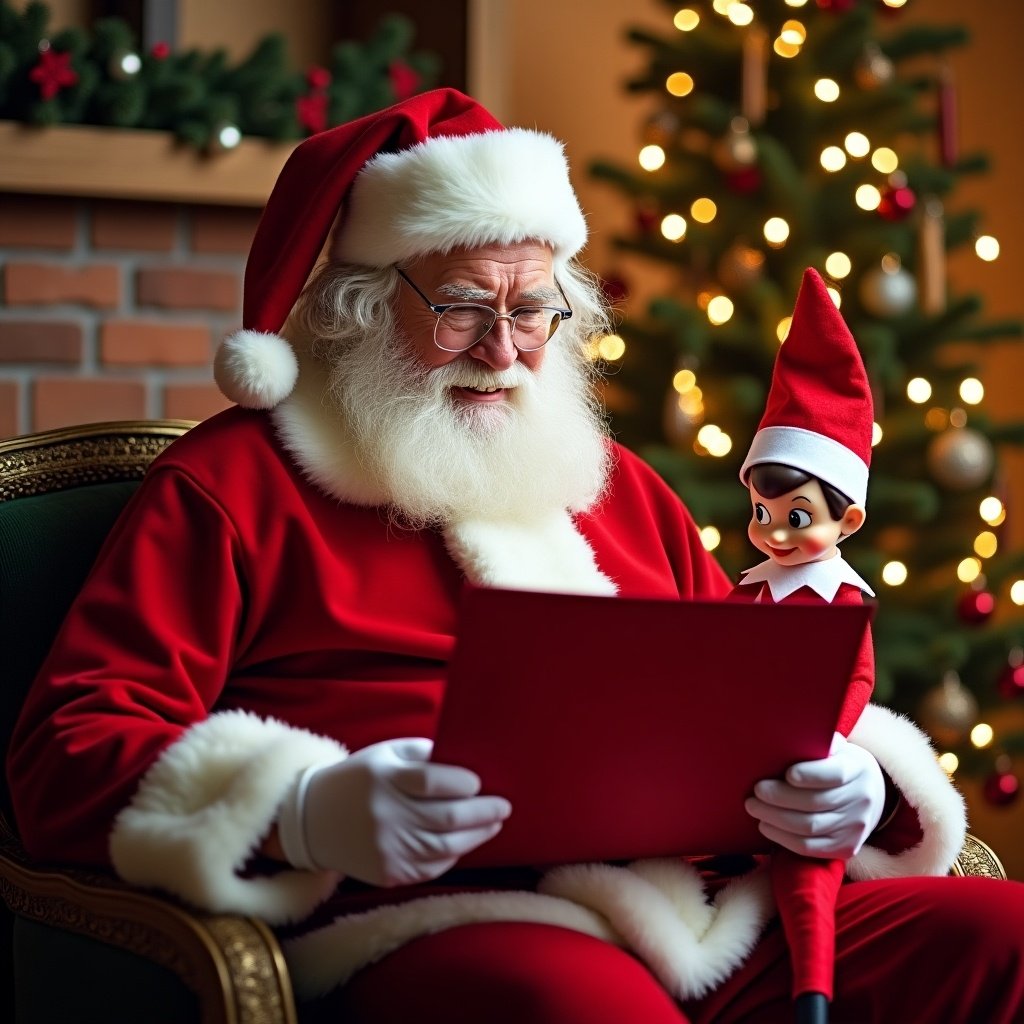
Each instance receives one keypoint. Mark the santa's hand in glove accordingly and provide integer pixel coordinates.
(387, 815)
(825, 808)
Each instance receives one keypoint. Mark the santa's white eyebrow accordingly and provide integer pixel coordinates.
(458, 290)
(471, 293)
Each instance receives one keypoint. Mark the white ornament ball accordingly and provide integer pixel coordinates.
(960, 458)
(888, 292)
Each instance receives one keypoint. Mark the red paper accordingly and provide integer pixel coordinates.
(623, 728)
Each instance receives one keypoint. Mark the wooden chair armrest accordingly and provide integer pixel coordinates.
(977, 859)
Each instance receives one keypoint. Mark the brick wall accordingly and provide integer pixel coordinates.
(113, 309)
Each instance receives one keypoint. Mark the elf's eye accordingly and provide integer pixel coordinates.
(761, 514)
(799, 519)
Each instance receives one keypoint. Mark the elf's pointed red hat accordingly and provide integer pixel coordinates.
(430, 174)
(819, 413)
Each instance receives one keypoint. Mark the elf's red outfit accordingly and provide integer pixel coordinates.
(255, 612)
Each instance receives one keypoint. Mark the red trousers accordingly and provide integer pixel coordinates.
(939, 950)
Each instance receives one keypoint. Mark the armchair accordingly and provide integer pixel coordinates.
(80, 945)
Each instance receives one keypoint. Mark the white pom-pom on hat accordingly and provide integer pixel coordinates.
(255, 369)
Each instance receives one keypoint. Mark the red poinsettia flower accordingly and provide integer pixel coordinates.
(318, 78)
(312, 112)
(53, 73)
(404, 80)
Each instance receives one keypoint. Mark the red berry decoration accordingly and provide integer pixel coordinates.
(1001, 788)
(318, 77)
(896, 202)
(405, 81)
(975, 606)
(160, 51)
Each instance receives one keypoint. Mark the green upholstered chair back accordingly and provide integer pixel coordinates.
(60, 492)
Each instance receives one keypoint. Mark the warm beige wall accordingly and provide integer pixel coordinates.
(238, 25)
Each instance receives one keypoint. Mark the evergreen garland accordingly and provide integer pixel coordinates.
(98, 77)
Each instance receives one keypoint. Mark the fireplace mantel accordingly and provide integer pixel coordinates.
(79, 160)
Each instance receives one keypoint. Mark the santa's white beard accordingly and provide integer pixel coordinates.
(441, 460)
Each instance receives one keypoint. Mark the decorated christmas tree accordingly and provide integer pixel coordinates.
(788, 134)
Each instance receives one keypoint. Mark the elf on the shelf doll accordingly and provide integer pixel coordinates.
(807, 472)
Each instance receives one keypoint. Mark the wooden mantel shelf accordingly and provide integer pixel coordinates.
(78, 160)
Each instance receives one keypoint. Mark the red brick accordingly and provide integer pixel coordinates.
(193, 401)
(41, 284)
(187, 288)
(67, 401)
(227, 229)
(150, 227)
(140, 343)
(39, 222)
(9, 408)
(40, 341)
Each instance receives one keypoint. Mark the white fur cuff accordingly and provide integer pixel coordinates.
(204, 806)
(905, 754)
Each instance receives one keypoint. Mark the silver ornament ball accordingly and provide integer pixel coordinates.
(960, 458)
(887, 293)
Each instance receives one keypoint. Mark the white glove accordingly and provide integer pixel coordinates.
(387, 815)
(824, 808)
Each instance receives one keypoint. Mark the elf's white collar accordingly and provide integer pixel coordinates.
(824, 578)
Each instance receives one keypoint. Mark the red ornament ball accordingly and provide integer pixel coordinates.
(1001, 788)
(647, 219)
(975, 606)
(896, 203)
(744, 180)
(615, 289)
(1011, 682)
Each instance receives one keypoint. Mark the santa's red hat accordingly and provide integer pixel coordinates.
(430, 174)
(819, 414)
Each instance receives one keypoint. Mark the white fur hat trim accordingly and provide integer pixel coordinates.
(498, 187)
(254, 369)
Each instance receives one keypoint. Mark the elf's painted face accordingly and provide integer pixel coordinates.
(797, 527)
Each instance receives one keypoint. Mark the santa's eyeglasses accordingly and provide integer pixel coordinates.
(461, 325)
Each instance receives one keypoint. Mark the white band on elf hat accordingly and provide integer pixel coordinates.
(497, 187)
(815, 454)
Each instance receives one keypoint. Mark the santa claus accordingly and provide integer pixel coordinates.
(239, 707)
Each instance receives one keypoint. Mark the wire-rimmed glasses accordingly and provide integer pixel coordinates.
(461, 325)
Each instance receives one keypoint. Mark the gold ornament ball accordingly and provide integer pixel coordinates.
(949, 711)
(740, 267)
